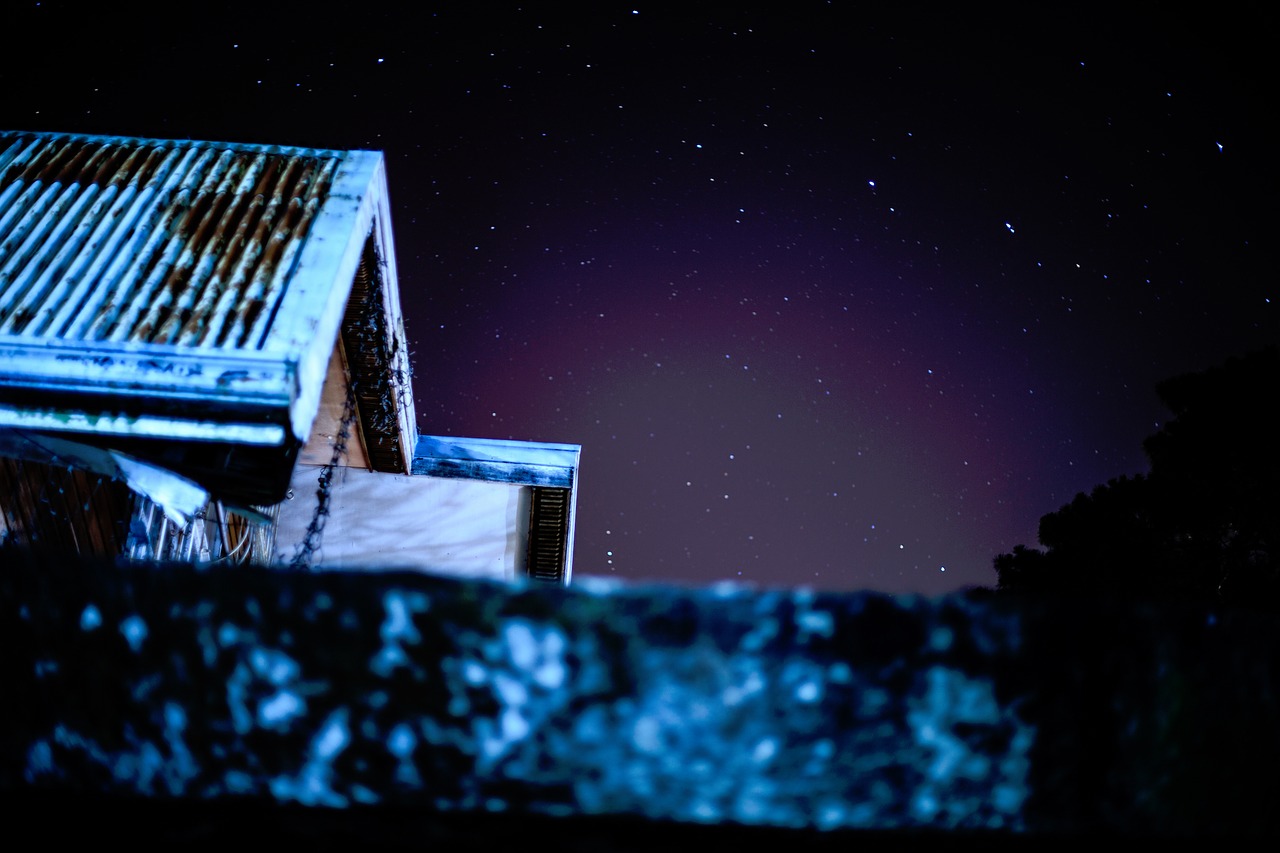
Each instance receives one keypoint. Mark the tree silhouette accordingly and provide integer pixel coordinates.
(1203, 524)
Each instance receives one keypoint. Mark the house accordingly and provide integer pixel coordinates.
(203, 358)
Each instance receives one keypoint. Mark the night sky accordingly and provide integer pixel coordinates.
(830, 295)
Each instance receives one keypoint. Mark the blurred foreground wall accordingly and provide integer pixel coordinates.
(408, 702)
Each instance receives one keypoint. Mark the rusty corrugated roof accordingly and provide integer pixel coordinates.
(169, 243)
(183, 289)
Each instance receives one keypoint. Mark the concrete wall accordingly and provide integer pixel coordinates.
(374, 695)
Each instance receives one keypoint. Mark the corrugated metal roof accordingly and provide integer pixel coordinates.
(176, 289)
(112, 240)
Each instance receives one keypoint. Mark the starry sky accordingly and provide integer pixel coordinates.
(831, 295)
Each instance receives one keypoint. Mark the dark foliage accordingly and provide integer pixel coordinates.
(1202, 525)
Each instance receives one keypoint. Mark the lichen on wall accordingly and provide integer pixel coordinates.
(715, 706)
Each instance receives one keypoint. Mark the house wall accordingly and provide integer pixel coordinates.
(456, 527)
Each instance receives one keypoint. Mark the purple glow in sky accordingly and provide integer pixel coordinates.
(833, 296)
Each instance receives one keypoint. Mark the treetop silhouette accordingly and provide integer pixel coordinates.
(1203, 524)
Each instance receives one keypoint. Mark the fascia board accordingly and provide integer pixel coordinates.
(245, 377)
(305, 329)
(518, 462)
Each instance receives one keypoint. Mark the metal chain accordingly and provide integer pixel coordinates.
(367, 340)
(310, 545)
